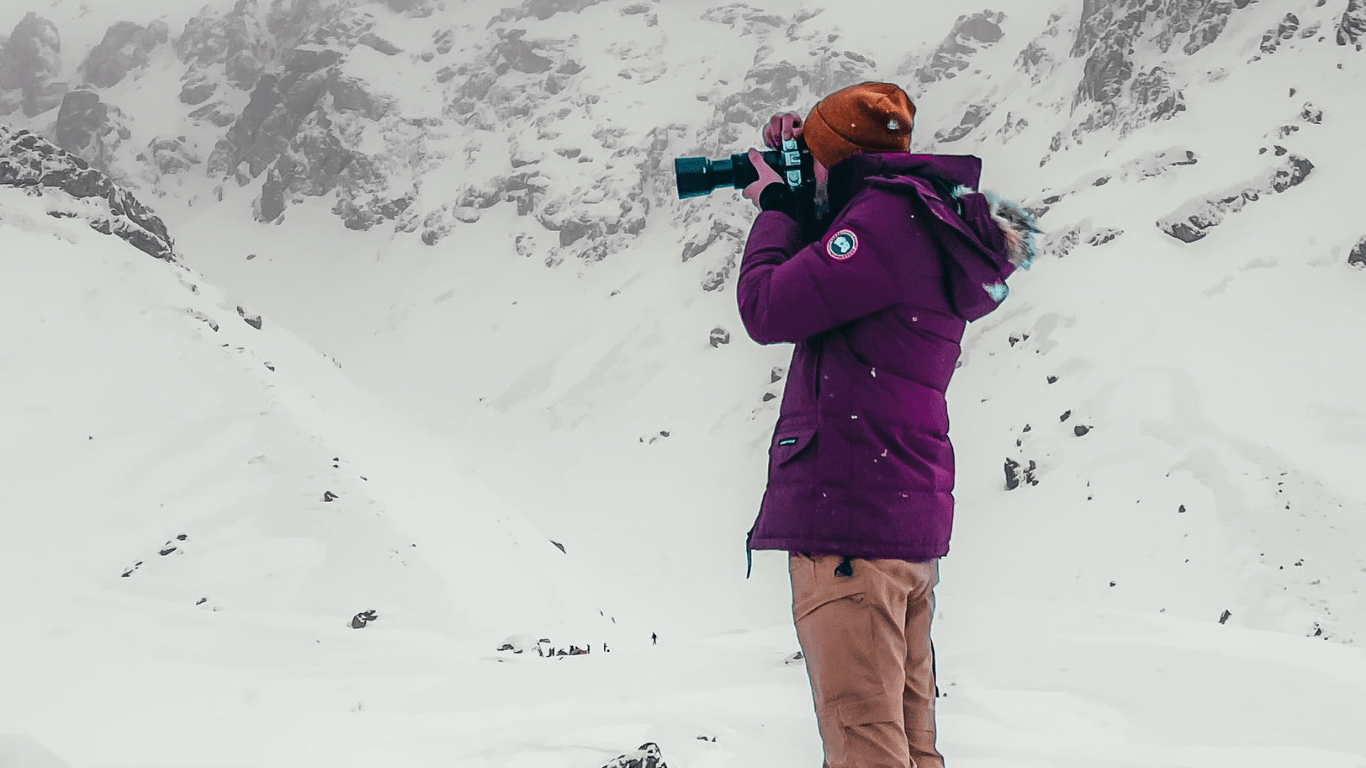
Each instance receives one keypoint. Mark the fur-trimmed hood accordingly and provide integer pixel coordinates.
(999, 233)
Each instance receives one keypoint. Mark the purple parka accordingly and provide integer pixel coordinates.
(860, 463)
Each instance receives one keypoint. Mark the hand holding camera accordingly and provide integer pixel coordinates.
(781, 128)
(788, 162)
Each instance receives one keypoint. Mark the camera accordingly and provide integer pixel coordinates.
(697, 176)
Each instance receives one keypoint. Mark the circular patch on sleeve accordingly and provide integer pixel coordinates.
(842, 245)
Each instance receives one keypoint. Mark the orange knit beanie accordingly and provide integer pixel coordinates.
(868, 117)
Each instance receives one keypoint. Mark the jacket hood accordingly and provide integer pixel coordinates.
(986, 237)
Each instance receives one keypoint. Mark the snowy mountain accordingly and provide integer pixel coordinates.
(425, 258)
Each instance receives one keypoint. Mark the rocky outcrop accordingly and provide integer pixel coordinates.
(170, 155)
(1193, 24)
(1352, 27)
(1284, 31)
(29, 63)
(1011, 128)
(648, 756)
(126, 46)
(969, 35)
(1112, 94)
(89, 128)
(1153, 98)
(237, 41)
(1139, 169)
(1035, 60)
(1358, 255)
(1192, 221)
(973, 117)
(301, 127)
(31, 162)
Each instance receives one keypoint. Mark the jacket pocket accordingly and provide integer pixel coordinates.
(790, 439)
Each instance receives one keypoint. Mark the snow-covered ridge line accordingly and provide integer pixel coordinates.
(74, 189)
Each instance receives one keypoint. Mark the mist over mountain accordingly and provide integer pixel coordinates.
(426, 258)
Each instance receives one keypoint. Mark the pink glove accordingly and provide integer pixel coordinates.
(787, 126)
(766, 176)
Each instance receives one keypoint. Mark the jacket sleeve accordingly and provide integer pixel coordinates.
(790, 291)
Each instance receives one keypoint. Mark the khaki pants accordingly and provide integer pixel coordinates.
(866, 639)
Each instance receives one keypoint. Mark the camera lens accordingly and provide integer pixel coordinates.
(698, 176)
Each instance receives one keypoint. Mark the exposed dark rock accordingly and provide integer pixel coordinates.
(719, 336)
(1060, 245)
(1154, 97)
(647, 756)
(1292, 173)
(1311, 114)
(126, 46)
(444, 40)
(1036, 61)
(170, 155)
(1012, 469)
(1017, 475)
(973, 117)
(1358, 255)
(82, 118)
(1352, 27)
(1104, 236)
(371, 40)
(519, 55)
(1011, 128)
(1106, 38)
(1207, 21)
(299, 130)
(724, 232)
(363, 618)
(28, 63)
(29, 161)
(217, 113)
(1191, 221)
(1283, 31)
(197, 91)
(255, 322)
(969, 35)
(237, 41)
(88, 127)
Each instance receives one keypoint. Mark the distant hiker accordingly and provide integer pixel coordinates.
(605, 649)
(861, 471)
(654, 639)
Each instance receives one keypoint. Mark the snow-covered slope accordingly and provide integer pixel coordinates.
(183, 489)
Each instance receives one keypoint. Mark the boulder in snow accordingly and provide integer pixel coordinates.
(647, 756)
(1358, 255)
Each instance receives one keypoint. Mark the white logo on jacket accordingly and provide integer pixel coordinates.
(843, 245)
